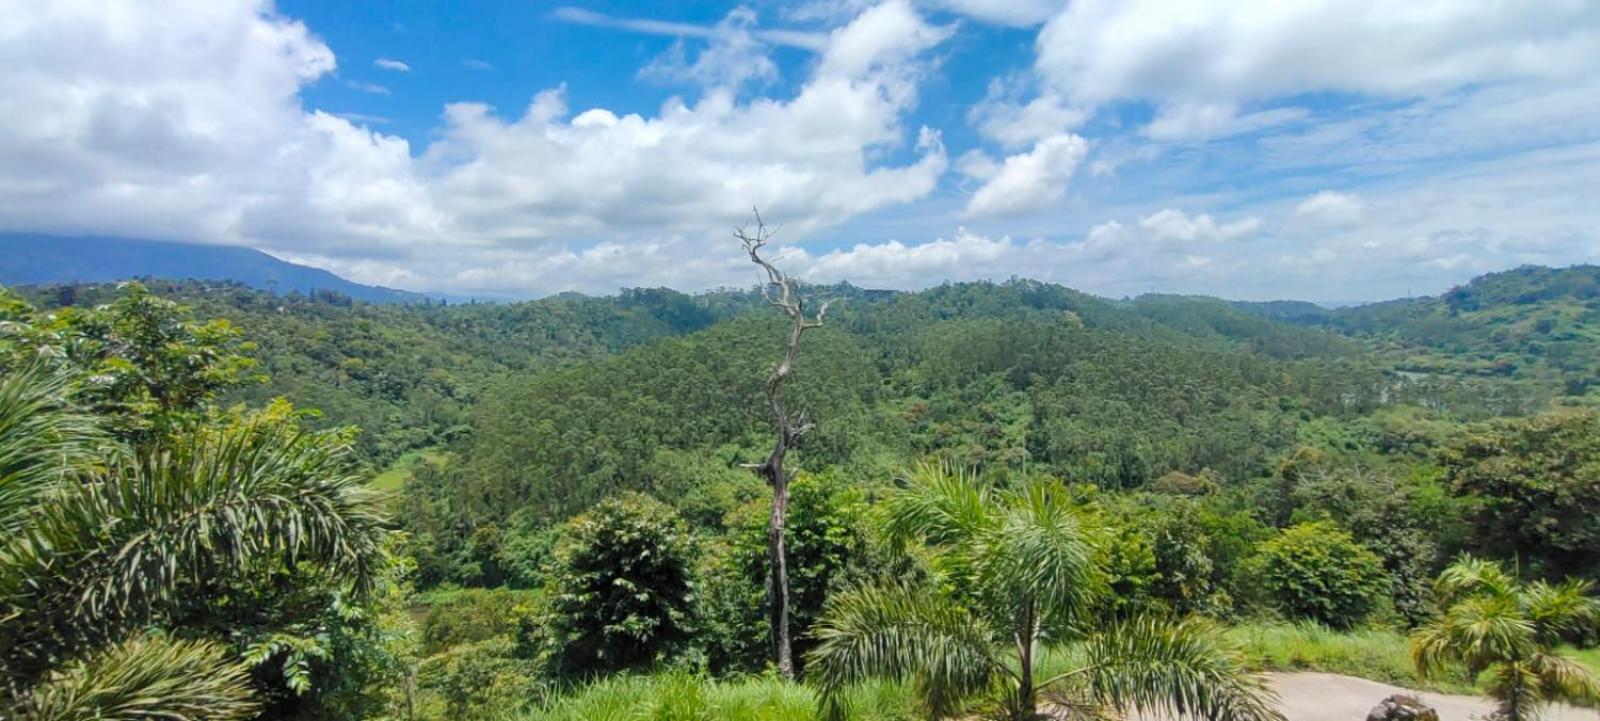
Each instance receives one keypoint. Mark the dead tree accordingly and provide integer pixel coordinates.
(780, 291)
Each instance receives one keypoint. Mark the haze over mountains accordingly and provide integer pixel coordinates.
(33, 259)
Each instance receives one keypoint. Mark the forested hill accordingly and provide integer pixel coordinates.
(30, 258)
(1533, 322)
(409, 375)
(1204, 446)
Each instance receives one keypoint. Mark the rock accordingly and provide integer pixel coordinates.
(1403, 707)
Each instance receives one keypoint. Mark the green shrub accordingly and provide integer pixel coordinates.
(620, 590)
(826, 542)
(1316, 571)
(687, 697)
(478, 679)
(1376, 654)
(470, 615)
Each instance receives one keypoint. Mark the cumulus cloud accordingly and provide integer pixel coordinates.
(195, 130)
(1330, 209)
(1219, 51)
(1175, 225)
(1200, 61)
(1014, 123)
(392, 64)
(1029, 181)
(1168, 246)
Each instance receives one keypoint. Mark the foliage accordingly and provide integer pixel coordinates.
(679, 696)
(827, 546)
(1018, 570)
(620, 588)
(1316, 571)
(1535, 486)
(145, 366)
(1373, 653)
(143, 538)
(1406, 523)
(1490, 623)
(143, 677)
(470, 615)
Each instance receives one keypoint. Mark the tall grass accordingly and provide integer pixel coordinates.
(679, 696)
(1376, 654)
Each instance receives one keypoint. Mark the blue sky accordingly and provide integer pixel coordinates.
(1331, 150)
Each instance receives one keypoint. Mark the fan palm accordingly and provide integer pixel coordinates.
(1492, 623)
(1017, 574)
(95, 551)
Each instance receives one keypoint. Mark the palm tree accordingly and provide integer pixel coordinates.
(1491, 622)
(1017, 575)
(100, 543)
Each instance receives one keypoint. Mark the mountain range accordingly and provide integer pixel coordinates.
(34, 259)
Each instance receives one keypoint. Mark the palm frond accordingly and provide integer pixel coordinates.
(1040, 555)
(1564, 679)
(144, 678)
(1182, 668)
(1477, 632)
(1515, 685)
(941, 504)
(899, 632)
(43, 437)
(1469, 576)
(1559, 609)
(118, 548)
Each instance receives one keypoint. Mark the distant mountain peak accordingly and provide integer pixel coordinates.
(36, 259)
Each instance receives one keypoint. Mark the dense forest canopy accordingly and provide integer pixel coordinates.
(1235, 461)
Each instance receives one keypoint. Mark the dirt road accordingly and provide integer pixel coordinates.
(1331, 697)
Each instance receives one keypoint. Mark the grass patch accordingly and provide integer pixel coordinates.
(687, 697)
(396, 475)
(1376, 654)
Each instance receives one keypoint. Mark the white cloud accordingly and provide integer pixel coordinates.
(1330, 209)
(894, 264)
(392, 64)
(1224, 51)
(1169, 247)
(188, 124)
(733, 57)
(1171, 224)
(699, 166)
(1202, 121)
(582, 16)
(1029, 181)
(1016, 124)
(370, 88)
(1018, 13)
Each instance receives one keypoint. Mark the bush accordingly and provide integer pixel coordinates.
(826, 544)
(1316, 571)
(471, 615)
(620, 593)
(1376, 654)
(681, 696)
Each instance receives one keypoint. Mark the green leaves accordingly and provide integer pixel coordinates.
(1021, 570)
(1172, 668)
(620, 587)
(1493, 623)
(902, 632)
(129, 541)
(144, 678)
(1317, 571)
(43, 439)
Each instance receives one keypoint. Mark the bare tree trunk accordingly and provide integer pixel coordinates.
(789, 429)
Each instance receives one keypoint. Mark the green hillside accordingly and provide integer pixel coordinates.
(538, 509)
